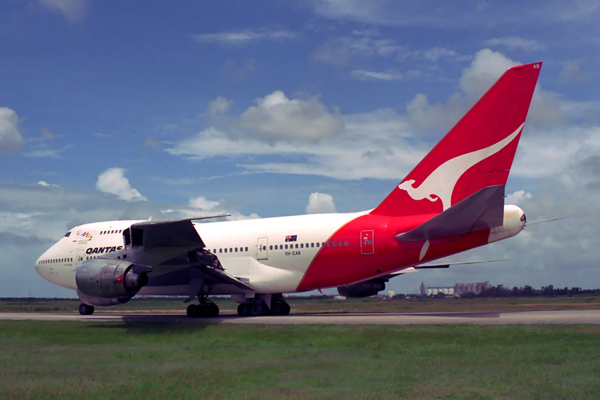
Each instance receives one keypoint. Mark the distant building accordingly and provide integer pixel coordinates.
(456, 290)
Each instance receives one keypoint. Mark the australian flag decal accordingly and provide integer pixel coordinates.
(291, 238)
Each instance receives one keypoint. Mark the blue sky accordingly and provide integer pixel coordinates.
(114, 110)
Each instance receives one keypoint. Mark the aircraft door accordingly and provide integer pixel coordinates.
(261, 248)
(80, 258)
(367, 242)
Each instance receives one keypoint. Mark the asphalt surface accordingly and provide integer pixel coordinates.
(490, 318)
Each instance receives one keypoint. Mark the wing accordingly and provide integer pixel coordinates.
(178, 245)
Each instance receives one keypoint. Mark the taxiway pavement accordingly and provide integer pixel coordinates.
(489, 318)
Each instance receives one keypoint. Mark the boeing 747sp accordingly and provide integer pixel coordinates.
(452, 201)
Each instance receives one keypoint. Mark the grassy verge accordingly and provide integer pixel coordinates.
(156, 360)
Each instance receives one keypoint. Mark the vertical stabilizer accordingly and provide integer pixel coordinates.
(477, 153)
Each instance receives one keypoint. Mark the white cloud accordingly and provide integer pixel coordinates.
(518, 197)
(277, 118)
(243, 37)
(484, 71)
(319, 203)
(46, 184)
(377, 76)
(114, 182)
(203, 203)
(572, 71)
(385, 144)
(220, 105)
(475, 14)
(72, 10)
(202, 207)
(514, 43)
(371, 145)
(10, 135)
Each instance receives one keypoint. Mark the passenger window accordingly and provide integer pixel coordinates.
(296, 245)
(236, 249)
(328, 244)
(230, 250)
(340, 243)
(246, 249)
(225, 250)
(346, 243)
(334, 244)
(301, 245)
(286, 246)
(312, 245)
(317, 244)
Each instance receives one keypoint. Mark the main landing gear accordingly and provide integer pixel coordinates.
(206, 310)
(258, 307)
(85, 309)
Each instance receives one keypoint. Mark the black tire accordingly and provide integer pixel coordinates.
(256, 310)
(280, 308)
(277, 308)
(213, 310)
(265, 309)
(85, 309)
(192, 311)
(244, 310)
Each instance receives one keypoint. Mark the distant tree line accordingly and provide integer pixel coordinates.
(528, 291)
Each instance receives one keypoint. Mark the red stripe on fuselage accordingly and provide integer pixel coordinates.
(342, 265)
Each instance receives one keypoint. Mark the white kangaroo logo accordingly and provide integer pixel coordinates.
(440, 183)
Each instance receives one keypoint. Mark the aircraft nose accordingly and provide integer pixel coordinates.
(40, 268)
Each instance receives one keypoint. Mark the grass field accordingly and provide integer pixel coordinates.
(368, 305)
(46, 360)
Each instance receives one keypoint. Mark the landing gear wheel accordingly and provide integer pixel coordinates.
(280, 308)
(213, 310)
(256, 310)
(192, 311)
(85, 309)
(265, 309)
(244, 310)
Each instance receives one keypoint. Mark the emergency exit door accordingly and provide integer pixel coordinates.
(367, 244)
(261, 248)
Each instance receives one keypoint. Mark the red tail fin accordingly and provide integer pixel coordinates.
(477, 153)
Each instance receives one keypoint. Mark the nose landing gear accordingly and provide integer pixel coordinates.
(85, 309)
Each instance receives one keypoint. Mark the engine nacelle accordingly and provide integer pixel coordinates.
(363, 289)
(101, 301)
(110, 279)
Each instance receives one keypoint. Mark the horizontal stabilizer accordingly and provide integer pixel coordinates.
(483, 209)
(436, 266)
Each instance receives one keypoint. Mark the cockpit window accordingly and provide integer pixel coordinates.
(68, 234)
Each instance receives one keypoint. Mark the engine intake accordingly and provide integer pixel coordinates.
(111, 278)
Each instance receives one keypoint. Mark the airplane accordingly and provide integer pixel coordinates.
(452, 201)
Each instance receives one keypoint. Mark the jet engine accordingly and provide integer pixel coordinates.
(101, 301)
(111, 279)
(363, 289)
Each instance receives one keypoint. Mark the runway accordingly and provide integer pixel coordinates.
(488, 318)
